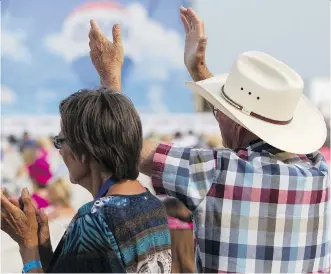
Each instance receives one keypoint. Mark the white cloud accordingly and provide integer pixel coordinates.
(155, 97)
(45, 95)
(42, 97)
(154, 49)
(8, 97)
(13, 45)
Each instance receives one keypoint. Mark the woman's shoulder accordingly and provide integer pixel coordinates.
(122, 205)
(124, 211)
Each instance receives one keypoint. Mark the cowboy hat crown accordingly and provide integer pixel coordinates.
(265, 96)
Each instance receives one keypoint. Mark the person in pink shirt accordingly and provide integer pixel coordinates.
(40, 174)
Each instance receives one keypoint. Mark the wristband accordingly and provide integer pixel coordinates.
(30, 265)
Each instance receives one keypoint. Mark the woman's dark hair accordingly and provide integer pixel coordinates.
(104, 125)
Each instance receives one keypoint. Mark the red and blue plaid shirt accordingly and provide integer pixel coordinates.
(257, 209)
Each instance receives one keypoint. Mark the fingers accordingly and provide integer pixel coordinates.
(202, 45)
(184, 14)
(5, 192)
(203, 28)
(117, 34)
(43, 217)
(184, 19)
(95, 31)
(196, 22)
(44, 234)
(28, 209)
(91, 32)
(185, 23)
(14, 201)
(20, 201)
(193, 16)
(6, 205)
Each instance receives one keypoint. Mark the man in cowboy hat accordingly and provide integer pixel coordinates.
(260, 204)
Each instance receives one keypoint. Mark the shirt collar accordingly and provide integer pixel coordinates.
(259, 146)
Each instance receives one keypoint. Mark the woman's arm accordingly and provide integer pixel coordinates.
(30, 254)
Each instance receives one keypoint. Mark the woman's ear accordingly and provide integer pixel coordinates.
(83, 159)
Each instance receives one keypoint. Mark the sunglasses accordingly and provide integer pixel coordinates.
(57, 141)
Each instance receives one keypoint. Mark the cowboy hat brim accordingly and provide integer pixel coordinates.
(305, 134)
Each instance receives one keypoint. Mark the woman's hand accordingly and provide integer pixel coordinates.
(44, 238)
(20, 225)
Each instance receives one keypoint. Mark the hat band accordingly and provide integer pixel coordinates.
(253, 114)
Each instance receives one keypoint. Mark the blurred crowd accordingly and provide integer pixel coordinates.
(35, 163)
(189, 139)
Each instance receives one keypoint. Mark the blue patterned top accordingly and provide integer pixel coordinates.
(121, 233)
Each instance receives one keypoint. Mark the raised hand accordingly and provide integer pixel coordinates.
(195, 44)
(107, 57)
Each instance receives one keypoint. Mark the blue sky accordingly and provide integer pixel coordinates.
(45, 55)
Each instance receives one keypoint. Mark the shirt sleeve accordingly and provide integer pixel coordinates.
(184, 173)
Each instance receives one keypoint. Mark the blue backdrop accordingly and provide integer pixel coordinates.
(45, 54)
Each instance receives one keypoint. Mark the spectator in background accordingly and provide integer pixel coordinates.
(214, 142)
(185, 140)
(167, 138)
(40, 173)
(190, 139)
(181, 227)
(178, 138)
(26, 141)
(60, 198)
(45, 145)
(12, 140)
(202, 142)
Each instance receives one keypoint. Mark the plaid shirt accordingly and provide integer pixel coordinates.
(257, 209)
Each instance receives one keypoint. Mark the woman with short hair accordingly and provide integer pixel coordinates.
(124, 229)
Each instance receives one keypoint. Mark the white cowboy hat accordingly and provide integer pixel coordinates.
(265, 96)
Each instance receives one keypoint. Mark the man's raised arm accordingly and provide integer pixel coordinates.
(195, 45)
(147, 155)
